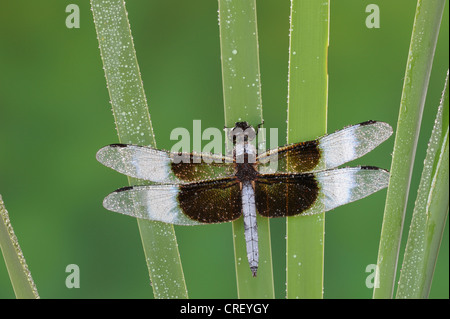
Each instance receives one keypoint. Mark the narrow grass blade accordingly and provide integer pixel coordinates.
(420, 58)
(18, 271)
(430, 212)
(307, 119)
(133, 124)
(242, 102)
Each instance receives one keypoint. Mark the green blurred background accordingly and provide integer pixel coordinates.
(55, 115)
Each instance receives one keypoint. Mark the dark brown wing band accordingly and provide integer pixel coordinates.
(296, 158)
(198, 167)
(215, 201)
(280, 195)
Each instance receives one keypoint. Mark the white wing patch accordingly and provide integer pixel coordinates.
(156, 165)
(136, 161)
(352, 142)
(345, 185)
(153, 202)
(151, 164)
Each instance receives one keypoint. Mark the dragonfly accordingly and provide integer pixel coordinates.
(204, 188)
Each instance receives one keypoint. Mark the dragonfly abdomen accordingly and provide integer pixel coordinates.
(250, 226)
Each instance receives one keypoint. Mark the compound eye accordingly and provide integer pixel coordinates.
(250, 134)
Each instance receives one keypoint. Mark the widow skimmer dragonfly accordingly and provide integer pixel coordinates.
(200, 188)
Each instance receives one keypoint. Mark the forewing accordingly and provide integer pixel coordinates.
(186, 204)
(163, 166)
(326, 152)
(279, 195)
(352, 142)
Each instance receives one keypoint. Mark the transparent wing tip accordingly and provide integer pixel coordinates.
(383, 129)
(123, 201)
(101, 154)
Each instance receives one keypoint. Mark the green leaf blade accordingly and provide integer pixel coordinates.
(133, 125)
(430, 211)
(307, 119)
(242, 102)
(418, 68)
(19, 274)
